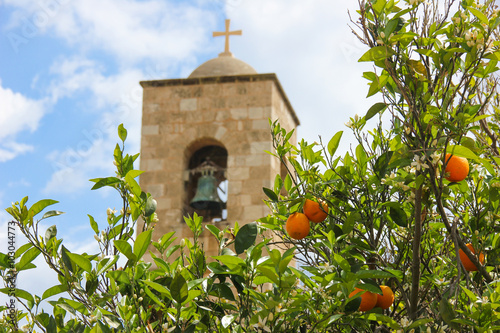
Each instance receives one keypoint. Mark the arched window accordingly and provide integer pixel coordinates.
(206, 183)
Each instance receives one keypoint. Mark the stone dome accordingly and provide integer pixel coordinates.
(222, 65)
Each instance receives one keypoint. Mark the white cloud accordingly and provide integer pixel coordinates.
(311, 48)
(9, 150)
(308, 44)
(18, 183)
(77, 74)
(74, 166)
(131, 31)
(120, 95)
(18, 113)
(147, 29)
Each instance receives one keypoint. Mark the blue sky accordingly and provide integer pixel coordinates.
(70, 72)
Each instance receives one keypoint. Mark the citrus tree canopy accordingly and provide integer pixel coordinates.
(399, 234)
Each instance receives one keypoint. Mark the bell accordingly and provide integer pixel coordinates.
(206, 197)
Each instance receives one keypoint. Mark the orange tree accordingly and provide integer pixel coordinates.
(393, 218)
(400, 210)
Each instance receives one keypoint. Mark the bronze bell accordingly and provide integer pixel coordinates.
(206, 197)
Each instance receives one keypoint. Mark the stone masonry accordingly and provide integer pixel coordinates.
(181, 116)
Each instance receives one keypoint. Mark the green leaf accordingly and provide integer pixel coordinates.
(397, 214)
(288, 182)
(342, 262)
(370, 285)
(78, 306)
(153, 296)
(232, 262)
(19, 293)
(447, 313)
(213, 230)
(398, 274)
(222, 290)
(134, 186)
(470, 294)
(4, 260)
(353, 305)
(150, 207)
(287, 256)
(374, 88)
(51, 213)
(105, 263)
(142, 242)
(27, 258)
(112, 321)
(373, 274)
(334, 142)
(125, 248)
(101, 182)
(278, 183)
(60, 288)
(100, 328)
(382, 164)
(493, 56)
(245, 237)
(361, 155)
(65, 259)
(119, 276)
(374, 110)
(377, 53)
(40, 205)
(122, 132)
(337, 316)
(350, 222)
(50, 233)
(22, 249)
(135, 173)
(382, 319)
(462, 152)
(419, 181)
(417, 66)
(93, 224)
(419, 322)
(80, 261)
(270, 194)
(379, 6)
(179, 289)
(269, 273)
(228, 320)
(479, 15)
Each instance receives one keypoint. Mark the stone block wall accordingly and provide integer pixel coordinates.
(182, 115)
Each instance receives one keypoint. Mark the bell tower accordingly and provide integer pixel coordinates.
(204, 141)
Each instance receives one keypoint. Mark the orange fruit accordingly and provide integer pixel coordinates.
(297, 226)
(368, 299)
(314, 211)
(468, 265)
(457, 168)
(385, 300)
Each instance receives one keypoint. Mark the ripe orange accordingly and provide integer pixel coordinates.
(468, 265)
(297, 226)
(314, 211)
(368, 299)
(385, 300)
(457, 168)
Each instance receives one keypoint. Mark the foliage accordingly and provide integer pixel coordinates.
(391, 209)
(393, 217)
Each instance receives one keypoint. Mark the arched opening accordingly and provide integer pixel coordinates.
(206, 182)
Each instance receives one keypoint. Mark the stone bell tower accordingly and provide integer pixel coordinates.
(206, 136)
